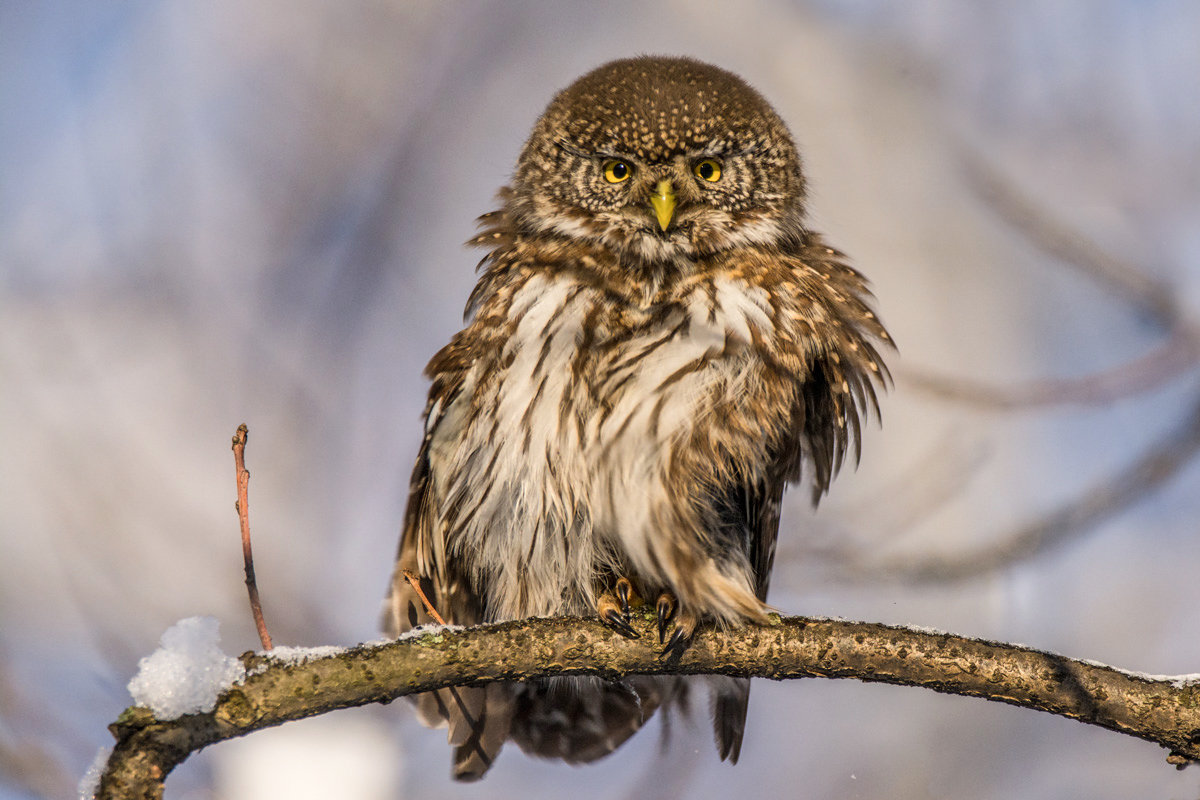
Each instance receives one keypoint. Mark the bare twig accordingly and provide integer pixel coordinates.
(1164, 711)
(415, 582)
(243, 509)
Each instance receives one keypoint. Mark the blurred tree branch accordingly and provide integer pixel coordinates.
(1145, 472)
(1155, 466)
(1165, 711)
(1043, 227)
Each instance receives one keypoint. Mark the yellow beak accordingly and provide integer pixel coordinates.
(663, 201)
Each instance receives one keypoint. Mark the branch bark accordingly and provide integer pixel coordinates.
(1165, 711)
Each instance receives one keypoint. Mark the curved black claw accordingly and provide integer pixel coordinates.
(615, 620)
(677, 643)
(665, 609)
(686, 624)
(624, 590)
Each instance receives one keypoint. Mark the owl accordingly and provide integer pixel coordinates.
(656, 347)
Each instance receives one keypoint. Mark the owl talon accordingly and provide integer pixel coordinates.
(611, 614)
(615, 621)
(677, 643)
(682, 637)
(665, 609)
(624, 590)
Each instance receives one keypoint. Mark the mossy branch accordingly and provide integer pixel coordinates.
(1164, 711)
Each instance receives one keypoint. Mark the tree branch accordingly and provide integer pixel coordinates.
(1165, 711)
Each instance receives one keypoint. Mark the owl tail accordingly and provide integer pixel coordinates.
(479, 721)
(730, 699)
(579, 720)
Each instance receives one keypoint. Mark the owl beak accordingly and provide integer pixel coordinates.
(663, 201)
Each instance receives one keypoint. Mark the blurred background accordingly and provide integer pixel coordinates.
(216, 212)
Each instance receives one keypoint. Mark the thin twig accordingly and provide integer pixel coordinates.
(243, 509)
(415, 582)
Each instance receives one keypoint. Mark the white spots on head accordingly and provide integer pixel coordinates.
(660, 113)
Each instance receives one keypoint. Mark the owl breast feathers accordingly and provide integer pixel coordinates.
(656, 347)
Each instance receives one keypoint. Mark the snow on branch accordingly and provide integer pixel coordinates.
(274, 690)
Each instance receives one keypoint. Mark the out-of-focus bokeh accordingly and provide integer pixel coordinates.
(221, 212)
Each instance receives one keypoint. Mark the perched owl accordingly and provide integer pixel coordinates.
(656, 347)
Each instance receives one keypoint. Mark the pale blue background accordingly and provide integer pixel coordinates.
(216, 212)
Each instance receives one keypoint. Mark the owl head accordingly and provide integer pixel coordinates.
(660, 159)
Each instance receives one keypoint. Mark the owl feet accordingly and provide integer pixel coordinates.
(667, 611)
(614, 611)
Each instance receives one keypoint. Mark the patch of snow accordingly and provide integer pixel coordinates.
(376, 643)
(1177, 681)
(927, 630)
(187, 673)
(301, 655)
(433, 627)
(292, 656)
(89, 784)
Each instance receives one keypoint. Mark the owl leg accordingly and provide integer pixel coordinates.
(667, 610)
(613, 608)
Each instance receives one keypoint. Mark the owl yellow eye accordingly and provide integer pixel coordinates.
(708, 170)
(616, 170)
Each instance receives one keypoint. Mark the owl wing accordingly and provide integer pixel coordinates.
(839, 390)
(747, 518)
(478, 718)
(422, 544)
(747, 514)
